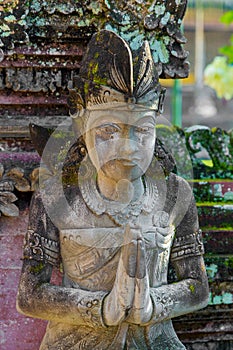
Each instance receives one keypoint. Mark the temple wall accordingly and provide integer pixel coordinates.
(17, 331)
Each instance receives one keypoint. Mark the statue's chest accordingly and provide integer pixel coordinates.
(90, 255)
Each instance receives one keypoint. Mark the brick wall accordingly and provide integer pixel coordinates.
(17, 332)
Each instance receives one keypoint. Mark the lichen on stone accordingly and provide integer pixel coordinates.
(158, 22)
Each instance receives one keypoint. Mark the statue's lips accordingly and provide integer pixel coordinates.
(128, 162)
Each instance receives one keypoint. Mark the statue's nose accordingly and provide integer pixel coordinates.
(129, 145)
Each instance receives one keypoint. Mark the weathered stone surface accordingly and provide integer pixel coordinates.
(159, 23)
(42, 44)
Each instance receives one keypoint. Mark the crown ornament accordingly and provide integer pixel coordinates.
(112, 76)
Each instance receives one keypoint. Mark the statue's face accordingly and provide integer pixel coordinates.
(121, 142)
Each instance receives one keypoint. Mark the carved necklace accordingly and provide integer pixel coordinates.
(121, 213)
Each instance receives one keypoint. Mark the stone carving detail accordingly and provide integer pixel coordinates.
(89, 310)
(42, 44)
(187, 246)
(33, 246)
(193, 139)
(216, 142)
(13, 26)
(15, 179)
(7, 199)
(164, 303)
(41, 249)
(158, 22)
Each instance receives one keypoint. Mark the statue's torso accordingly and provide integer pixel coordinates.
(90, 251)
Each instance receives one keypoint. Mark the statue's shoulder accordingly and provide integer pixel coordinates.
(63, 204)
(54, 190)
(178, 185)
(180, 203)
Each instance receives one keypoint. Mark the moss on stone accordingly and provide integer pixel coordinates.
(192, 288)
(38, 268)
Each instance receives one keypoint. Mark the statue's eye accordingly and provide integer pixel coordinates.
(143, 129)
(107, 130)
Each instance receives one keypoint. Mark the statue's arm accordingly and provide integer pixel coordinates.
(189, 294)
(37, 297)
(191, 291)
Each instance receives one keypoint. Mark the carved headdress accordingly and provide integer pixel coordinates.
(112, 75)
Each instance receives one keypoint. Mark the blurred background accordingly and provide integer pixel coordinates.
(190, 101)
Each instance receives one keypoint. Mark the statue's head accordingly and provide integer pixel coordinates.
(114, 104)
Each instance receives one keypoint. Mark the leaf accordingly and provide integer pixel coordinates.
(227, 51)
(6, 185)
(227, 18)
(17, 171)
(34, 177)
(22, 184)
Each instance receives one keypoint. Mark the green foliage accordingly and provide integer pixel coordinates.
(219, 73)
(228, 51)
(227, 18)
(37, 268)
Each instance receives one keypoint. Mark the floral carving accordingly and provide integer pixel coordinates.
(7, 198)
(33, 246)
(15, 179)
(164, 304)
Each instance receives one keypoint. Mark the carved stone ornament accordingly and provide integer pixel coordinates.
(40, 249)
(11, 179)
(158, 22)
(114, 214)
(128, 77)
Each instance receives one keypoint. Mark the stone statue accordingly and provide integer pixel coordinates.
(119, 219)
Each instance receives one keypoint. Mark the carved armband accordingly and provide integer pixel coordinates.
(40, 248)
(187, 246)
(91, 309)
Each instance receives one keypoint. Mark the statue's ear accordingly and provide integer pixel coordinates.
(75, 103)
(39, 136)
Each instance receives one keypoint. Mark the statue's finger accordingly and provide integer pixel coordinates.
(129, 258)
(165, 231)
(128, 235)
(141, 259)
